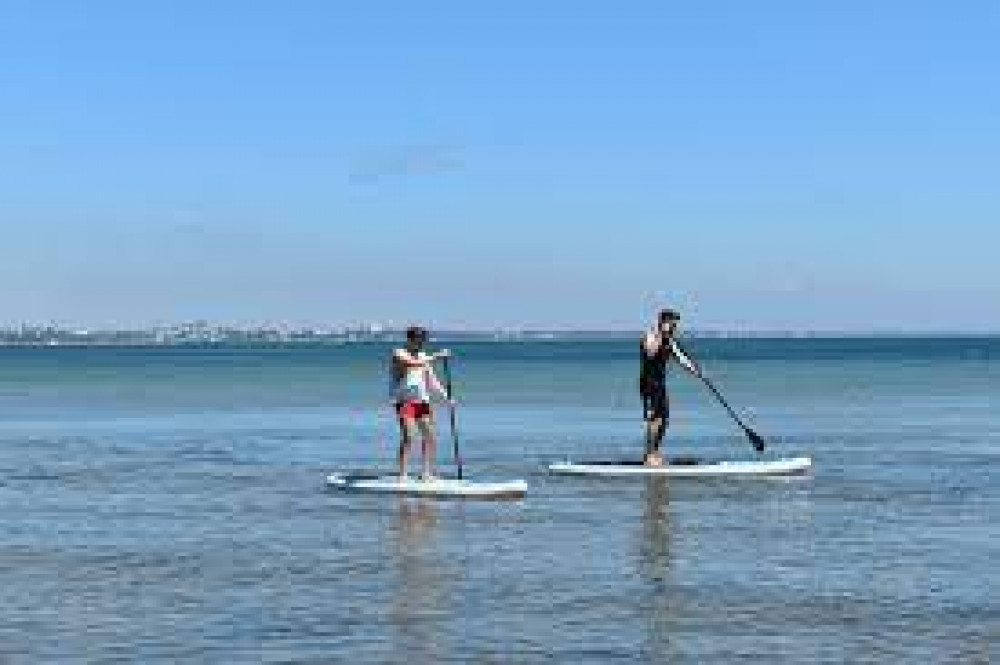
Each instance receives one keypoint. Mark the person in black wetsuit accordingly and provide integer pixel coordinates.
(656, 351)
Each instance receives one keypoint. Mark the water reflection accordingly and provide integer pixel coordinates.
(653, 565)
(654, 545)
(421, 594)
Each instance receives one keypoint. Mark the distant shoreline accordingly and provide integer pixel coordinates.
(135, 339)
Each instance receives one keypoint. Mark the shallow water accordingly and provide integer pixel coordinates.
(168, 506)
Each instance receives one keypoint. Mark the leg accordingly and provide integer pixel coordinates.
(407, 432)
(656, 412)
(429, 446)
(654, 436)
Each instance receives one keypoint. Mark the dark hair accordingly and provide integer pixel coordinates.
(669, 316)
(416, 334)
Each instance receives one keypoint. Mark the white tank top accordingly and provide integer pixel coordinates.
(412, 386)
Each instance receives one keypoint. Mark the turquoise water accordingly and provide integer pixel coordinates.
(167, 505)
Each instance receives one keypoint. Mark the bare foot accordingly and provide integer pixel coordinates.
(653, 459)
(428, 476)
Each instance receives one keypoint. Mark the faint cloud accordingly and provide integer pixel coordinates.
(188, 227)
(408, 161)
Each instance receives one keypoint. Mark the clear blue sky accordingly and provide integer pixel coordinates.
(830, 164)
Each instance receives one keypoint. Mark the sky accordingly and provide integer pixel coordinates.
(778, 164)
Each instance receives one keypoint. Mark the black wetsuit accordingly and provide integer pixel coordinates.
(653, 381)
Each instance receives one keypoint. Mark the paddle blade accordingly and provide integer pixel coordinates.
(756, 439)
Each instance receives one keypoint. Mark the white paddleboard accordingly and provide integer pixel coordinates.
(437, 488)
(687, 468)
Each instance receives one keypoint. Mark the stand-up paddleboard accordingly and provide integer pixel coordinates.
(687, 468)
(439, 488)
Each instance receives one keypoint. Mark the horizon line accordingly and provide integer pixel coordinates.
(376, 329)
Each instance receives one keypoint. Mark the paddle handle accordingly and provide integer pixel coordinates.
(452, 417)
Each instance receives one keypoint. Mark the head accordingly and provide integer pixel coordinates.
(667, 321)
(416, 337)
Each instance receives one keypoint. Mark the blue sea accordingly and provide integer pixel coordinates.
(167, 505)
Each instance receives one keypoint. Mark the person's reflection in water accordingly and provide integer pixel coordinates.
(658, 603)
(420, 602)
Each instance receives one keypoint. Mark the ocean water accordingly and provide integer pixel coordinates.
(168, 506)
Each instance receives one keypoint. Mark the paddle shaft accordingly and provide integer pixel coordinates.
(722, 401)
(758, 441)
(451, 414)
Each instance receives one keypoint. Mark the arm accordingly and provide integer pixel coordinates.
(651, 343)
(434, 384)
(406, 360)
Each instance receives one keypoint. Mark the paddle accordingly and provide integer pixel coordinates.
(684, 358)
(451, 413)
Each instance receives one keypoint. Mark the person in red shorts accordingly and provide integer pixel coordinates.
(414, 381)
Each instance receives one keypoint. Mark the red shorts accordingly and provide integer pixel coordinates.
(413, 410)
